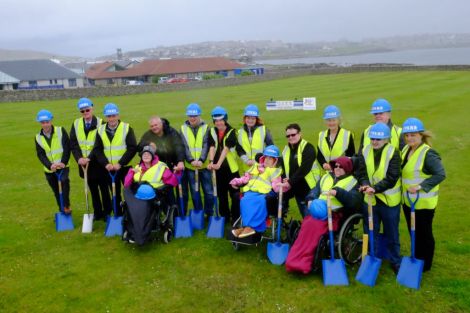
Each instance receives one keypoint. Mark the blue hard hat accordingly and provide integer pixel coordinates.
(193, 109)
(379, 131)
(84, 103)
(271, 151)
(251, 110)
(318, 209)
(331, 111)
(145, 192)
(44, 116)
(219, 113)
(110, 109)
(413, 125)
(380, 106)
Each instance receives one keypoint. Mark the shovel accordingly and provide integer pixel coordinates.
(197, 214)
(216, 226)
(370, 266)
(277, 251)
(183, 226)
(334, 270)
(113, 223)
(87, 225)
(63, 222)
(411, 269)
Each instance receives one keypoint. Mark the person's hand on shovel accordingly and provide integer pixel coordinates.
(109, 167)
(83, 161)
(414, 189)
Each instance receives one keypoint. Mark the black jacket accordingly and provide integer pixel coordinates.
(41, 153)
(297, 173)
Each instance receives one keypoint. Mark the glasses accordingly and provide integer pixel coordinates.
(338, 166)
(375, 139)
(291, 135)
(85, 111)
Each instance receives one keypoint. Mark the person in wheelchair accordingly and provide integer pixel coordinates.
(342, 187)
(259, 184)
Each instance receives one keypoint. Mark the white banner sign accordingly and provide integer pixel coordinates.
(306, 104)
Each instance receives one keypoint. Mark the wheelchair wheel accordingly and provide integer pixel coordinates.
(293, 229)
(350, 239)
(322, 252)
(167, 236)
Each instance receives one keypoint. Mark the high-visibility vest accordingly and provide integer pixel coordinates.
(327, 183)
(194, 143)
(339, 147)
(256, 145)
(153, 175)
(412, 175)
(55, 150)
(231, 154)
(313, 176)
(261, 182)
(395, 132)
(115, 149)
(392, 196)
(86, 142)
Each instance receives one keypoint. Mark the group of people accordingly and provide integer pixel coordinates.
(390, 163)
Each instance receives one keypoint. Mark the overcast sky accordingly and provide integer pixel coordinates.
(92, 28)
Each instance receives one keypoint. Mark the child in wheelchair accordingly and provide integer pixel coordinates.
(342, 187)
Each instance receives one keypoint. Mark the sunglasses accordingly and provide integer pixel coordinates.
(291, 135)
(85, 111)
(375, 139)
(338, 166)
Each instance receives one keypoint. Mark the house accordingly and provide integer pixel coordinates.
(111, 73)
(37, 74)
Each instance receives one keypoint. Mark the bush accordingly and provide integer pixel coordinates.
(246, 73)
(212, 76)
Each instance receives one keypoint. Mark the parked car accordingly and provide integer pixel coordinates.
(177, 80)
(134, 82)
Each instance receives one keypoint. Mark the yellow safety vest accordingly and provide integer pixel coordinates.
(254, 147)
(392, 196)
(194, 143)
(412, 175)
(231, 156)
(86, 142)
(261, 182)
(394, 139)
(313, 176)
(115, 149)
(327, 183)
(339, 147)
(55, 150)
(153, 175)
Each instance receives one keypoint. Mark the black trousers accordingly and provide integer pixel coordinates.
(424, 238)
(299, 192)
(224, 189)
(100, 196)
(54, 183)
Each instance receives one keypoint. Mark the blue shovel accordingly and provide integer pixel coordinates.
(183, 226)
(277, 251)
(411, 269)
(197, 214)
(113, 223)
(216, 226)
(63, 221)
(370, 266)
(334, 270)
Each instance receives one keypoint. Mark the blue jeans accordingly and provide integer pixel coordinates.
(205, 181)
(390, 218)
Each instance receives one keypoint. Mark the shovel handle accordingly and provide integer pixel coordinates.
(412, 221)
(85, 181)
(214, 183)
(113, 189)
(279, 215)
(58, 174)
(330, 225)
(196, 180)
(370, 218)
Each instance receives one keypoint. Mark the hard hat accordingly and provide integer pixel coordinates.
(193, 109)
(84, 103)
(251, 110)
(219, 113)
(318, 209)
(271, 151)
(331, 111)
(44, 116)
(412, 125)
(379, 131)
(145, 192)
(110, 109)
(380, 106)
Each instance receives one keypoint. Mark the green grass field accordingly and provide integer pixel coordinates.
(45, 271)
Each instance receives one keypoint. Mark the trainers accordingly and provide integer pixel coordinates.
(248, 231)
(236, 232)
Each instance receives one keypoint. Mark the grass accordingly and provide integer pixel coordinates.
(45, 271)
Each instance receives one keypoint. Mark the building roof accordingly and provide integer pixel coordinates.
(164, 67)
(25, 70)
(7, 79)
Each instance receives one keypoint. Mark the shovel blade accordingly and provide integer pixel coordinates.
(277, 252)
(369, 271)
(183, 227)
(410, 273)
(113, 226)
(334, 273)
(87, 225)
(63, 222)
(197, 219)
(216, 227)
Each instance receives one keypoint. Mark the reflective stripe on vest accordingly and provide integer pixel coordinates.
(394, 140)
(55, 150)
(412, 175)
(392, 196)
(256, 144)
(261, 182)
(194, 143)
(327, 183)
(313, 176)
(153, 175)
(85, 142)
(231, 156)
(115, 149)
(339, 147)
